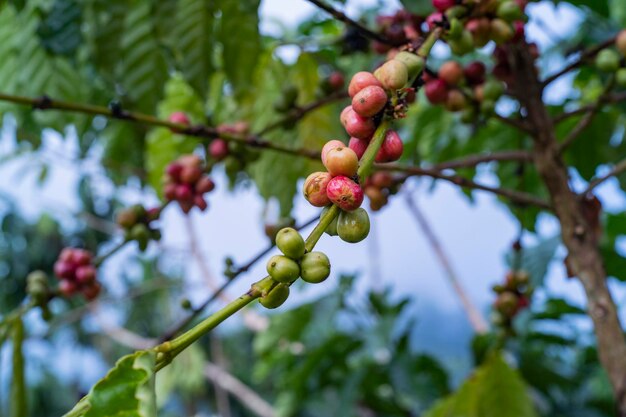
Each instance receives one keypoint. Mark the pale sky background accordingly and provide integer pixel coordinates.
(476, 236)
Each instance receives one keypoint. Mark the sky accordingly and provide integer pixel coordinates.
(475, 235)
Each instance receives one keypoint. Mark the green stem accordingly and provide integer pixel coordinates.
(367, 160)
(18, 385)
(325, 220)
(430, 40)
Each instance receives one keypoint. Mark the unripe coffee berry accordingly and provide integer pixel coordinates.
(283, 269)
(275, 297)
(341, 161)
(607, 60)
(290, 242)
(509, 11)
(353, 226)
(345, 193)
(501, 31)
(456, 101)
(393, 74)
(369, 101)
(414, 63)
(359, 146)
(315, 267)
(360, 80)
(328, 146)
(315, 188)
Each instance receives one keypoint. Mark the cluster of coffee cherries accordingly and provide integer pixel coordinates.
(464, 89)
(294, 263)
(186, 183)
(500, 21)
(609, 60)
(233, 154)
(512, 297)
(76, 273)
(378, 188)
(400, 28)
(136, 223)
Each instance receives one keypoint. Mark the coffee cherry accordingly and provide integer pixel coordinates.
(359, 146)
(391, 149)
(126, 218)
(436, 91)
(179, 117)
(360, 80)
(290, 242)
(414, 63)
(336, 80)
(63, 269)
(443, 5)
(480, 30)
(434, 20)
(190, 160)
(37, 286)
(353, 226)
(283, 269)
(488, 107)
(620, 42)
(92, 290)
(67, 288)
(463, 45)
(204, 185)
(456, 101)
(85, 274)
(315, 188)
(218, 149)
(393, 75)
(607, 60)
(190, 174)
(331, 230)
(200, 202)
(451, 72)
(81, 257)
(501, 31)
(315, 267)
(507, 303)
(492, 90)
(620, 77)
(369, 101)
(382, 179)
(345, 193)
(275, 297)
(509, 11)
(184, 192)
(141, 234)
(475, 73)
(377, 198)
(341, 161)
(358, 126)
(331, 144)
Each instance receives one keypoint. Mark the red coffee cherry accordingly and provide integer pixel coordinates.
(92, 291)
(184, 192)
(359, 146)
(360, 80)
(475, 73)
(345, 193)
(443, 5)
(358, 126)
(336, 80)
(190, 174)
(63, 269)
(377, 198)
(218, 149)
(341, 161)
(391, 149)
(179, 117)
(436, 91)
(204, 185)
(173, 171)
(434, 20)
(451, 72)
(328, 146)
(67, 288)
(315, 187)
(169, 191)
(381, 179)
(200, 202)
(369, 101)
(85, 274)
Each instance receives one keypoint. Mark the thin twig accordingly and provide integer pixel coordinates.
(585, 55)
(345, 19)
(516, 123)
(478, 322)
(609, 99)
(518, 197)
(471, 161)
(618, 169)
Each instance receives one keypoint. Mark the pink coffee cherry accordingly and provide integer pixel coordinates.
(341, 161)
(328, 146)
(360, 80)
(443, 5)
(369, 101)
(85, 274)
(218, 149)
(179, 117)
(200, 202)
(345, 193)
(358, 126)
(451, 72)
(315, 188)
(190, 174)
(204, 185)
(391, 148)
(436, 91)
(67, 288)
(358, 146)
(184, 192)
(63, 269)
(434, 19)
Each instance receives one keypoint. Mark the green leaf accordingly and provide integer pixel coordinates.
(127, 390)
(420, 7)
(618, 12)
(59, 31)
(600, 7)
(495, 390)
(556, 308)
(106, 19)
(194, 37)
(9, 29)
(241, 41)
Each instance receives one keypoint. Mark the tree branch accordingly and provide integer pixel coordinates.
(516, 123)
(478, 322)
(584, 56)
(609, 99)
(471, 161)
(345, 19)
(618, 169)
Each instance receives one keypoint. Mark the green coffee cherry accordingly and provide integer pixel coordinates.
(315, 267)
(620, 77)
(290, 242)
(353, 226)
(141, 234)
(509, 11)
(275, 297)
(468, 115)
(414, 63)
(607, 60)
(462, 45)
(456, 29)
(493, 89)
(283, 269)
(488, 107)
(331, 230)
(37, 285)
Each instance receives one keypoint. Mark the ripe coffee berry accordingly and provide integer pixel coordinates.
(620, 42)
(369, 101)
(345, 193)
(218, 149)
(283, 269)
(359, 146)
(475, 73)
(180, 118)
(315, 187)
(353, 226)
(328, 146)
(290, 242)
(341, 161)
(436, 91)
(357, 125)
(451, 72)
(315, 267)
(391, 149)
(336, 80)
(443, 5)
(360, 80)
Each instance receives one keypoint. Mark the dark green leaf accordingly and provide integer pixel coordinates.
(59, 30)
